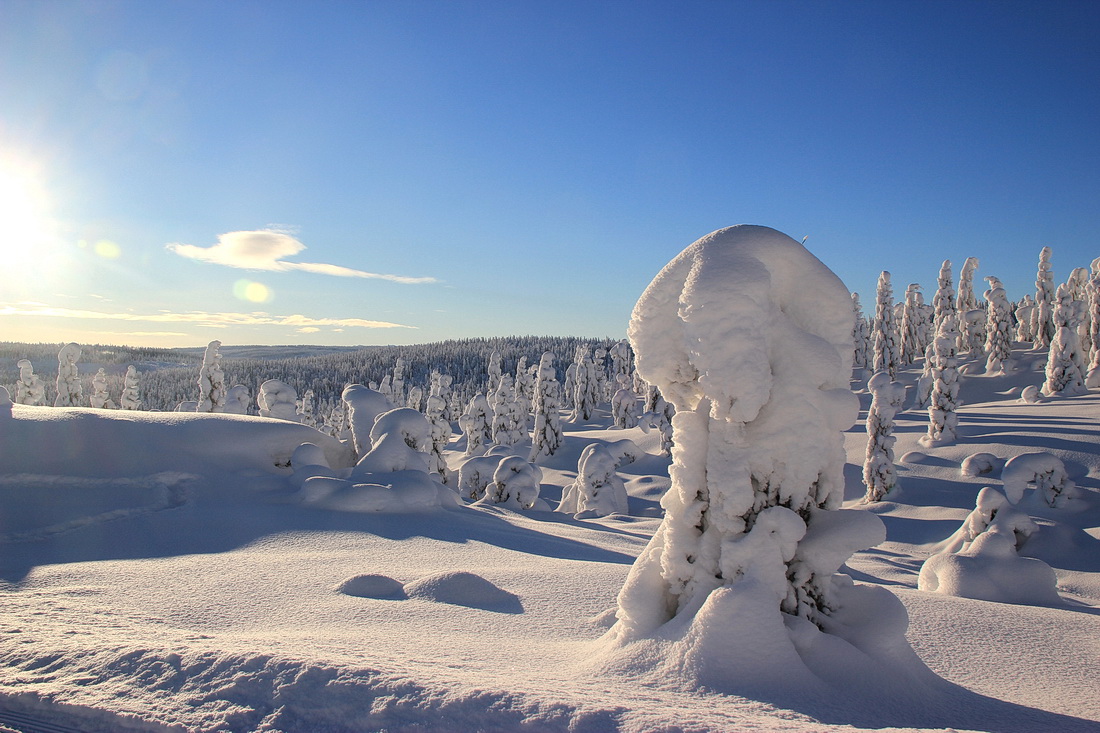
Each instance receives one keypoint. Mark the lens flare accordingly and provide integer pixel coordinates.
(252, 292)
(107, 249)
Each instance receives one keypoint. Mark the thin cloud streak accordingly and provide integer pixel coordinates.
(265, 249)
(199, 318)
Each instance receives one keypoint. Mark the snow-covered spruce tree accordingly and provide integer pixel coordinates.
(887, 356)
(744, 562)
(860, 336)
(1024, 310)
(943, 302)
(1078, 285)
(1092, 377)
(926, 381)
(441, 431)
(585, 394)
(569, 389)
(943, 418)
(495, 372)
(29, 390)
(879, 474)
(525, 393)
(363, 405)
(398, 383)
(1065, 372)
(965, 301)
(599, 371)
(306, 410)
(69, 391)
(515, 485)
(237, 400)
(278, 400)
(385, 388)
(506, 419)
(131, 390)
(621, 360)
(546, 437)
(913, 327)
(212, 389)
(624, 404)
(598, 490)
(998, 329)
(415, 397)
(100, 398)
(1042, 318)
(476, 424)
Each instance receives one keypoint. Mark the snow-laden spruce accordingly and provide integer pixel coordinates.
(943, 302)
(100, 398)
(546, 437)
(749, 336)
(1042, 318)
(69, 391)
(887, 353)
(880, 475)
(998, 330)
(278, 399)
(943, 415)
(1092, 377)
(598, 490)
(860, 337)
(212, 389)
(30, 389)
(131, 390)
(476, 423)
(585, 386)
(1065, 372)
(914, 326)
(1044, 470)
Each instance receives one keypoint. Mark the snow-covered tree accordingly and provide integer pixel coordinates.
(624, 404)
(515, 485)
(879, 474)
(69, 391)
(278, 399)
(441, 432)
(237, 400)
(998, 329)
(621, 360)
(398, 384)
(385, 387)
(913, 326)
(586, 386)
(131, 390)
(1045, 470)
(212, 389)
(1065, 372)
(658, 416)
(860, 336)
(415, 397)
(943, 302)
(926, 381)
(599, 372)
(495, 371)
(306, 409)
(1078, 286)
(943, 418)
(1042, 318)
(726, 331)
(887, 356)
(1092, 377)
(524, 386)
(363, 405)
(965, 299)
(476, 424)
(547, 436)
(598, 490)
(100, 398)
(29, 390)
(506, 425)
(1024, 315)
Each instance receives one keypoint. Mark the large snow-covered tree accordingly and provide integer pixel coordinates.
(546, 437)
(212, 389)
(1042, 318)
(131, 390)
(943, 417)
(998, 329)
(69, 391)
(913, 325)
(879, 472)
(943, 302)
(750, 337)
(1065, 371)
(887, 354)
(29, 390)
(100, 398)
(965, 301)
(586, 387)
(476, 423)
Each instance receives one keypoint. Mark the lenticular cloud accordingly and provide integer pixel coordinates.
(265, 249)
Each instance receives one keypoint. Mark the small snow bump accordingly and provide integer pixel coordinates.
(460, 588)
(372, 586)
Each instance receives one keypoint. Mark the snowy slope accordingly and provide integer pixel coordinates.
(160, 574)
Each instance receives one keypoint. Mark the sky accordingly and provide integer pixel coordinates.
(406, 172)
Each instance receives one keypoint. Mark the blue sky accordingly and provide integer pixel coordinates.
(516, 167)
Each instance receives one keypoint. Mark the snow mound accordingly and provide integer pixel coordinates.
(1031, 395)
(460, 588)
(979, 464)
(372, 586)
(914, 456)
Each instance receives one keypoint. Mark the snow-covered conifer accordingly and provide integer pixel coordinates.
(913, 327)
(100, 398)
(1092, 378)
(1078, 286)
(943, 302)
(524, 386)
(1024, 310)
(515, 485)
(624, 404)
(495, 371)
(385, 388)
(29, 390)
(860, 336)
(131, 390)
(278, 399)
(476, 424)
(943, 418)
(237, 400)
(585, 390)
(599, 371)
(306, 409)
(973, 336)
(621, 360)
(598, 490)
(363, 405)
(965, 301)
(507, 422)
(925, 382)
(879, 474)
(415, 398)
(887, 356)
(998, 328)
(212, 389)
(1042, 318)
(1065, 372)
(569, 389)
(441, 431)
(547, 436)
(69, 391)
(398, 384)
(658, 416)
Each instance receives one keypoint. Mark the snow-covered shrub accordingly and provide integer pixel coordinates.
(474, 475)
(1046, 471)
(980, 560)
(726, 331)
(131, 390)
(100, 398)
(597, 491)
(29, 390)
(212, 389)
(879, 474)
(1031, 395)
(475, 423)
(547, 436)
(1065, 372)
(887, 355)
(69, 391)
(515, 485)
(998, 329)
(400, 440)
(943, 417)
(363, 406)
(979, 464)
(278, 400)
(237, 400)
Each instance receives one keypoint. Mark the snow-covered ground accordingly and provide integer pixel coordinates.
(161, 573)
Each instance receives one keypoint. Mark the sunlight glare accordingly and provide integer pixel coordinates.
(27, 232)
(252, 292)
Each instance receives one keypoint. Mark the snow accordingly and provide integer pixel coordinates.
(160, 572)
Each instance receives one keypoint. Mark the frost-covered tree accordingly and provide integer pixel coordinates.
(363, 405)
(621, 360)
(100, 398)
(1065, 372)
(506, 425)
(569, 389)
(1024, 310)
(278, 399)
(131, 389)
(887, 356)
(752, 535)
(306, 409)
(476, 424)
(860, 336)
(441, 431)
(212, 389)
(943, 302)
(547, 436)
(29, 390)
(1078, 286)
(658, 416)
(943, 417)
(624, 404)
(965, 301)
(998, 329)
(398, 384)
(237, 400)
(525, 392)
(1042, 318)
(515, 485)
(69, 391)
(415, 397)
(599, 372)
(1092, 377)
(385, 387)
(598, 490)
(495, 371)
(913, 326)
(879, 474)
(926, 381)
(585, 389)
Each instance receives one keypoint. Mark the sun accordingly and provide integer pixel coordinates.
(28, 233)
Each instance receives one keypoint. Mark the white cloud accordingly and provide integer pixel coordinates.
(198, 318)
(266, 249)
(308, 329)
